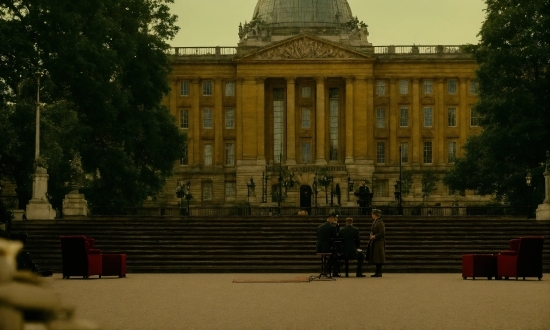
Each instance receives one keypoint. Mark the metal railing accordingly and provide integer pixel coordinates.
(202, 51)
(254, 211)
(421, 50)
(381, 50)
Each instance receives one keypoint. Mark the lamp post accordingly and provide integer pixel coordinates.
(400, 185)
(350, 185)
(528, 182)
(250, 185)
(315, 190)
(183, 191)
(38, 75)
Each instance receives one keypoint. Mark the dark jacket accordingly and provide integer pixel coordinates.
(350, 237)
(377, 246)
(325, 234)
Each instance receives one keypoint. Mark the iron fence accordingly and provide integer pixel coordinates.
(202, 51)
(254, 211)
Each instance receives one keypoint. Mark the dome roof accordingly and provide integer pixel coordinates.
(303, 13)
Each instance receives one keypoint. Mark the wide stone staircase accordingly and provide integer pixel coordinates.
(273, 244)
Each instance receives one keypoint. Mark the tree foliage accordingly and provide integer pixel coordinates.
(106, 74)
(514, 95)
(429, 181)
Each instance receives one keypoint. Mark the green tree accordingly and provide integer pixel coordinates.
(429, 180)
(514, 96)
(406, 182)
(106, 74)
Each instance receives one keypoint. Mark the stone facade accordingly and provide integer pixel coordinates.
(320, 104)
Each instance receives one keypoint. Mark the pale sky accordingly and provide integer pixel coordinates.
(391, 22)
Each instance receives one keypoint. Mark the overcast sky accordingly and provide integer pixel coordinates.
(391, 22)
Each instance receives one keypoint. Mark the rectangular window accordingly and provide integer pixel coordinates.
(403, 87)
(230, 154)
(380, 118)
(428, 152)
(380, 88)
(334, 103)
(473, 87)
(403, 116)
(428, 117)
(474, 117)
(428, 86)
(184, 88)
(207, 88)
(306, 92)
(207, 155)
(306, 118)
(404, 152)
(230, 88)
(451, 86)
(184, 118)
(380, 189)
(452, 152)
(207, 190)
(184, 160)
(278, 123)
(380, 152)
(306, 152)
(230, 191)
(207, 118)
(230, 118)
(451, 117)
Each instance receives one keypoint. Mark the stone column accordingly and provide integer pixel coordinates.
(416, 124)
(371, 152)
(239, 121)
(291, 121)
(195, 114)
(543, 211)
(39, 208)
(260, 105)
(219, 147)
(393, 115)
(320, 158)
(349, 120)
(439, 123)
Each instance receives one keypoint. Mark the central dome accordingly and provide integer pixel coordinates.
(303, 13)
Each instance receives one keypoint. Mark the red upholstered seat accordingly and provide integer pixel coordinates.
(479, 265)
(78, 258)
(114, 265)
(524, 259)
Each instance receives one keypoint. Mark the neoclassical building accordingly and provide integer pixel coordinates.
(305, 94)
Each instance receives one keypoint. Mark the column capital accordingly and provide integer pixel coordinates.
(290, 80)
(416, 80)
(320, 79)
(361, 77)
(394, 79)
(260, 80)
(370, 80)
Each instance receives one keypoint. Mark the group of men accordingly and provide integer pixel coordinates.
(329, 236)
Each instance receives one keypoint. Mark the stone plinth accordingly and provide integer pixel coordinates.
(543, 211)
(39, 208)
(74, 205)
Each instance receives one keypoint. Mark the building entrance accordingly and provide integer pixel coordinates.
(305, 198)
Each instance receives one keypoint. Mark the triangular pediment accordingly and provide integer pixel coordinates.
(304, 47)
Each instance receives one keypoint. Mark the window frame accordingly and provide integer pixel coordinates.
(430, 117)
(428, 152)
(404, 87)
(380, 88)
(403, 119)
(450, 90)
(381, 120)
(185, 88)
(380, 152)
(229, 153)
(207, 88)
(453, 117)
(226, 89)
(184, 118)
(207, 117)
(427, 87)
(207, 154)
(229, 119)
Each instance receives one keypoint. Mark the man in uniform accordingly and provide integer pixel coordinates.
(350, 236)
(326, 233)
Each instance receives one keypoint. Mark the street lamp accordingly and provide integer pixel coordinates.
(350, 185)
(184, 191)
(250, 185)
(528, 182)
(37, 75)
(400, 185)
(315, 190)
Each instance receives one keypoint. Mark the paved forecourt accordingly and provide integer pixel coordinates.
(395, 301)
